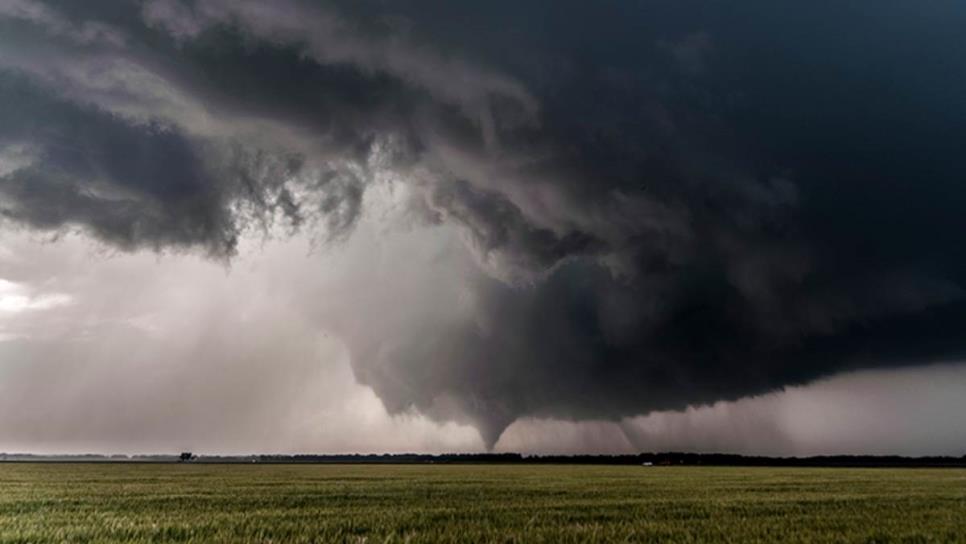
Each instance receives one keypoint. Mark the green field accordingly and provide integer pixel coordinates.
(478, 503)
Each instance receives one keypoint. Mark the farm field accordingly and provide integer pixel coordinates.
(476, 503)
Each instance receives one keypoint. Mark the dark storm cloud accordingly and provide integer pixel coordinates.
(129, 186)
(672, 203)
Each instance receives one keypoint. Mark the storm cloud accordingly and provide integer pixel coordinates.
(658, 205)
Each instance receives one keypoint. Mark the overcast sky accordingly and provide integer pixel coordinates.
(236, 226)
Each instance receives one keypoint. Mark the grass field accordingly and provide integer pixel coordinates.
(418, 503)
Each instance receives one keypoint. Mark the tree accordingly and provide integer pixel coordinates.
(186, 456)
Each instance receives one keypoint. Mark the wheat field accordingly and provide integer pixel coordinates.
(105, 502)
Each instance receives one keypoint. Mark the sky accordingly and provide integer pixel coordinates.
(557, 227)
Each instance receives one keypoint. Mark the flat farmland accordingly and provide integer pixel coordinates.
(91, 502)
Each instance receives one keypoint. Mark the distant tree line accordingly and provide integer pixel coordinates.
(644, 459)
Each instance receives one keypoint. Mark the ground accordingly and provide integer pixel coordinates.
(478, 503)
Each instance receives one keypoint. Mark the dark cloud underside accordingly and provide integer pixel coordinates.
(668, 203)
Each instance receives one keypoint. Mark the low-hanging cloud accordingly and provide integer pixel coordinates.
(662, 205)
